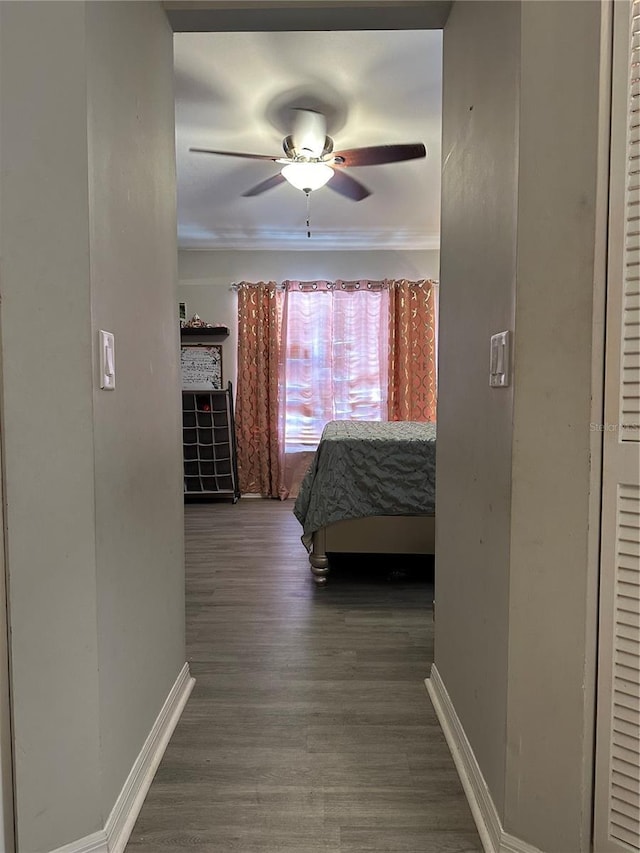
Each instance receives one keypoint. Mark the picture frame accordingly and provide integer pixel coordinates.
(201, 367)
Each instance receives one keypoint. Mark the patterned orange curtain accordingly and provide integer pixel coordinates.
(258, 416)
(412, 350)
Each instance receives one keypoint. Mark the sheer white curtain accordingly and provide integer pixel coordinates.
(336, 354)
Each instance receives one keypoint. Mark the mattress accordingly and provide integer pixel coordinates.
(364, 468)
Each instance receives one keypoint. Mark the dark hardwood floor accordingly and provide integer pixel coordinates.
(309, 729)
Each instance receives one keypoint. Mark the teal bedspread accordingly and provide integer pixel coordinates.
(364, 468)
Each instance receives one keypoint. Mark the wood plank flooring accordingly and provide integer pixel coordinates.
(309, 729)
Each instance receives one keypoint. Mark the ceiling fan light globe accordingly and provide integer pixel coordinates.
(307, 176)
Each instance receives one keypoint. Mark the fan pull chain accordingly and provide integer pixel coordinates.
(308, 195)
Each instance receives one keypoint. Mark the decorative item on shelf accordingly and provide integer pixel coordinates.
(196, 322)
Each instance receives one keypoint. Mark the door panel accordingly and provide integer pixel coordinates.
(617, 788)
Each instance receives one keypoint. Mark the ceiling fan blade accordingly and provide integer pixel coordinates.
(235, 154)
(309, 132)
(263, 186)
(348, 186)
(377, 154)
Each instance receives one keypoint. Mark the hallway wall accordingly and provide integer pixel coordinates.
(93, 485)
(48, 422)
(138, 428)
(478, 262)
(557, 384)
(515, 569)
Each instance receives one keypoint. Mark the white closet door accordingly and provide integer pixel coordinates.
(617, 789)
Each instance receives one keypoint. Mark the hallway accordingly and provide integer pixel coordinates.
(309, 729)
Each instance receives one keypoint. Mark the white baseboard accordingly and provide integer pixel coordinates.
(95, 843)
(511, 844)
(493, 837)
(113, 838)
(127, 807)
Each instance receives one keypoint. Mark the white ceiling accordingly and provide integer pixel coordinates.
(234, 91)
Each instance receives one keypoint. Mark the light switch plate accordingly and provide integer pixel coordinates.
(107, 361)
(500, 360)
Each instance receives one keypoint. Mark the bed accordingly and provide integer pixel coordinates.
(370, 489)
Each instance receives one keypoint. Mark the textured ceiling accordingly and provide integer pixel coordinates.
(234, 91)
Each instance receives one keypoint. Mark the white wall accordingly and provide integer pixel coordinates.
(94, 521)
(205, 277)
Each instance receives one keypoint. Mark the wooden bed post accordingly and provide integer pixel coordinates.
(318, 558)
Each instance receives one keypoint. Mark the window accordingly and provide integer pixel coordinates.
(336, 360)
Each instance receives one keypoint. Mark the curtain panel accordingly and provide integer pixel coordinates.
(412, 394)
(259, 415)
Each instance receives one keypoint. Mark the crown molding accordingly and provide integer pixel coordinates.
(330, 241)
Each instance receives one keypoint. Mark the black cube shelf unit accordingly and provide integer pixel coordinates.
(209, 445)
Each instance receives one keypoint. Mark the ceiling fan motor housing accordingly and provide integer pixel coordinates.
(292, 153)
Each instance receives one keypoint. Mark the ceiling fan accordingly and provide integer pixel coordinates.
(310, 161)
